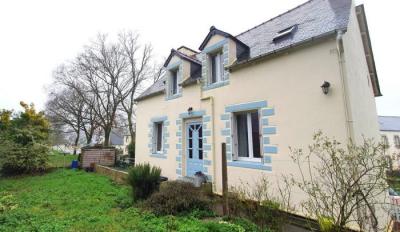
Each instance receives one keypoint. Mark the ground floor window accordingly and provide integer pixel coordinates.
(397, 141)
(157, 138)
(385, 141)
(246, 135)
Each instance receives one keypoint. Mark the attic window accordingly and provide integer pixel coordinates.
(284, 33)
(174, 82)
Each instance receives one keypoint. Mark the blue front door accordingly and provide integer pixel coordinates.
(194, 148)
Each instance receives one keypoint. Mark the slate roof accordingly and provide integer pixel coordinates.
(314, 19)
(155, 89)
(389, 123)
(116, 138)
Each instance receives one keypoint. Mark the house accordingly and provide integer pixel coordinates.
(390, 134)
(127, 141)
(116, 139)
(260, 92)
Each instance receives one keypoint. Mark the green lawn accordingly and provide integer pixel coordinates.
(66, 200)
(58, 160)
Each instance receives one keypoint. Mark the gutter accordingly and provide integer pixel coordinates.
(214, 158)
(238, 65)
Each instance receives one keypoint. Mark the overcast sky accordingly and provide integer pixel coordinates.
(36, 36)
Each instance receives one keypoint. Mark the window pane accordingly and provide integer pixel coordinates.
(200, 143)
(201, 154)
(255, 134)
(200, 131)
(174, 82)
(385, 141)
(190, 131)
(190, 143)
(217, 67)
(190, 153)
(220, 68)
(159, 136)
(242, 137)
(213, 69)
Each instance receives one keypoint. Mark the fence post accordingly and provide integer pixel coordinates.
(225, 207)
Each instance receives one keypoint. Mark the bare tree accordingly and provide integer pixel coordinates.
(102, 70)
(65, 108)
(344, 184)
(67, 79)
(139, 69)
(57, 133)
(90, 120)
(158, 72)
(108, 76)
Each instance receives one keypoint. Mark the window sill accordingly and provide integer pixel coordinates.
(178, 95)
(216, 85)
(158, 155)
(249, 164)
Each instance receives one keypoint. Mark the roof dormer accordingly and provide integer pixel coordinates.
(216, 38)
(182, 68)
(187, 51)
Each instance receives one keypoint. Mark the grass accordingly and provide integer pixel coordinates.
(58, 160)
(67, 200)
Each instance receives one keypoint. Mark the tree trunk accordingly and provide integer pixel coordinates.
(76, 141)
(130, 126)
(89, 137)
(107, 132)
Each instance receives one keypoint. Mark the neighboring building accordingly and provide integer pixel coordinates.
(390, 134)
(127, 141)
(260, 93)
(117, 139)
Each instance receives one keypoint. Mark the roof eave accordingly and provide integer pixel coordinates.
(140, 98)
(369, 55)
(184, 57)
(183, 46)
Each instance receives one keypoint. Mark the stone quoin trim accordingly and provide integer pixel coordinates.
(266, 129)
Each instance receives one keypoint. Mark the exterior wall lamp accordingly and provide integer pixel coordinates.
(325, 87)
(190, 110)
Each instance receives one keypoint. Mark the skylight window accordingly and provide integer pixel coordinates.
(284, 33)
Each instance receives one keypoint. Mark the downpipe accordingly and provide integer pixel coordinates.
(346, 102)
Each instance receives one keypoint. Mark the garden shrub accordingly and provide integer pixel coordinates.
(24, 139)
(247, 225)
(177, 197)
(144, 180)
(202, 213)
(264, 212)
(18, 159)
(131, 150)
(224, 226)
